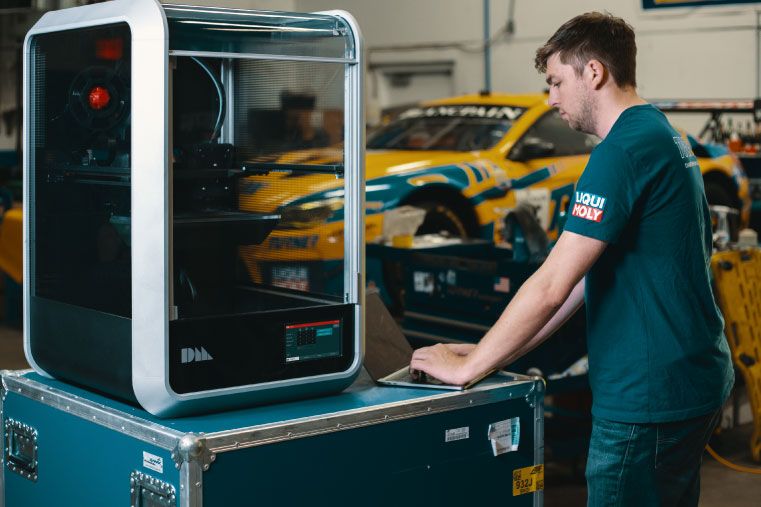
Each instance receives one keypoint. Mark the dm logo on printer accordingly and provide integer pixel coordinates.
(195, 355)
(588, 206)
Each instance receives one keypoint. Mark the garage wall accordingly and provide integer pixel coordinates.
(705, 52)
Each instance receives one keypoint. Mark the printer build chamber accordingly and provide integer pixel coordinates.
(175, 157)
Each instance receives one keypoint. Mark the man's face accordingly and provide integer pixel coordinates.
(570, 94)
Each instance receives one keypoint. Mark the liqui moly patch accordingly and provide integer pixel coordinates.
(588, 206)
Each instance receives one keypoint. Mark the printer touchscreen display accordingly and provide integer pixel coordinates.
(313, 340)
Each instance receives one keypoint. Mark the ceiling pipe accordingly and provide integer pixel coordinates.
(487, 49)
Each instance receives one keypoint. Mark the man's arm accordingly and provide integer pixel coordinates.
(526, 317)
(570, 307)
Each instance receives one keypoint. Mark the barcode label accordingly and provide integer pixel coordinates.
(457, 434)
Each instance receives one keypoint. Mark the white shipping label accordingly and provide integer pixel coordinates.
(505, 435)
(457, 434)
(423, 282)
(153, 462)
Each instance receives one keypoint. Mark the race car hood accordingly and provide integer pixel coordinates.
(269, 193)
(379, 163)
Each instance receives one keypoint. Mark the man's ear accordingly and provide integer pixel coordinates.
(596, 73)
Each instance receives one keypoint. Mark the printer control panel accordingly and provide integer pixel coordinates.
(312, 340)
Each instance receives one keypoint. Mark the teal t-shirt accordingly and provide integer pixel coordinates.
(657, 351)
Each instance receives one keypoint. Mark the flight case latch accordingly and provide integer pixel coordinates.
(21, 449)
(147, 491)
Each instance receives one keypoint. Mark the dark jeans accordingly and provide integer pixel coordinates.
(647, 464)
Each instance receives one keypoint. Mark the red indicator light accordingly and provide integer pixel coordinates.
(98, 98)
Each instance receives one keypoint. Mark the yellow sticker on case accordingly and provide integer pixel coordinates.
(528, 480)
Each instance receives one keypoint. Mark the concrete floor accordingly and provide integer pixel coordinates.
(721, 487)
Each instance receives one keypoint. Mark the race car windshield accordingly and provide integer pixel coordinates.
(446, 128)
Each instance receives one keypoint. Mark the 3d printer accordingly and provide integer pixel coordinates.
(160, 142)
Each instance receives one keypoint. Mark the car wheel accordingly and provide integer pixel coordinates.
(440, 219)
(718, 195)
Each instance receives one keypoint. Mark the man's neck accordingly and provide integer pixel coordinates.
(610, 106)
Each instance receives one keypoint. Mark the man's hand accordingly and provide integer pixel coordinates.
(461, 349)
(444, 362)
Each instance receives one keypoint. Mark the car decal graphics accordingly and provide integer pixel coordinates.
(472, 111)
(476, 172)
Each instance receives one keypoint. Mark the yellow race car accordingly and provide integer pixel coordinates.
(464, 160)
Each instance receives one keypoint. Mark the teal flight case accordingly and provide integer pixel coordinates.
(369, 445)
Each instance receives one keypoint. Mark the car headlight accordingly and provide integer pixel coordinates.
(310, 214)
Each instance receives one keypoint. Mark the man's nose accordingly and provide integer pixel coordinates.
(553, 99)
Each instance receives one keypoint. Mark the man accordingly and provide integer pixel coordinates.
(636, 248)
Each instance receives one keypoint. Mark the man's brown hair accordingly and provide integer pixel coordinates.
(594, 36)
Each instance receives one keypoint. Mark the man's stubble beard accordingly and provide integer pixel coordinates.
(585, 121)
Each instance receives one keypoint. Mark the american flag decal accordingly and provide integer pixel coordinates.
(502, 284)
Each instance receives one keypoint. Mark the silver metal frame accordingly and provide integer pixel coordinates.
(261, 56)
(226, 441)
(354, 188)
(151, 204)
(228, 129)
(539, 434)
(191, 485)
(135, 427)
(151, 214)
(195, 446)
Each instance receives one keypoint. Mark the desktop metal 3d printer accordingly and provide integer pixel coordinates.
(183, 167)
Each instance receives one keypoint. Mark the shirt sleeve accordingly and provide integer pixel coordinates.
(604, 196)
